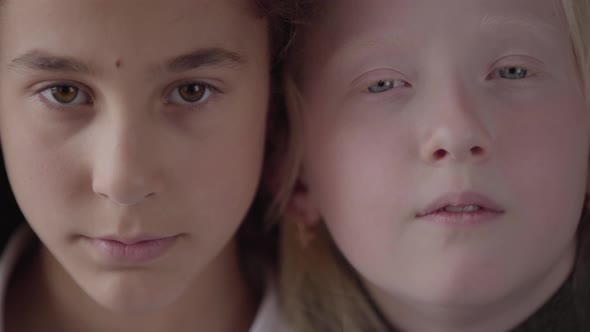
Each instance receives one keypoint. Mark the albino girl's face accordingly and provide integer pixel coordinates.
(446, 146)
(127, 121)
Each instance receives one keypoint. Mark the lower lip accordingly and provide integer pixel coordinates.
(462, 218)
(136, 253)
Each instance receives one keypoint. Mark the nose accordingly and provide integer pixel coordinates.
(125, 167)
(456, 130)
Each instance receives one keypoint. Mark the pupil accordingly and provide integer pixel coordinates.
(66, 90)
(191, 89)
(191, 92)
(513, 73)
(65, 94)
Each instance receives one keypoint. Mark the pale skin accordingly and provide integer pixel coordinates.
(124, 118)
(406, 101)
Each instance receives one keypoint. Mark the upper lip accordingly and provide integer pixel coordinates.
(132, 239)
(460, 199)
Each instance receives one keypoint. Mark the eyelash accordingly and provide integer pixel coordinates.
(48, 94)
(382, 86)
(522, 70)
(209, 93)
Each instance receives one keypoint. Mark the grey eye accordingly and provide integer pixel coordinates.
(385, 85)
(512, 73)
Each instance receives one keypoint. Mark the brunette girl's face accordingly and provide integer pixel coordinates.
(446, 147)
(133, 134)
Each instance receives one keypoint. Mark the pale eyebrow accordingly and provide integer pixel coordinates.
(532, 24)
(44, 61)
(205, 57)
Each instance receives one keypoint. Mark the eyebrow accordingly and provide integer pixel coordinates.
(204, 57)
(530, 23)
(37, 60)
(44, 61)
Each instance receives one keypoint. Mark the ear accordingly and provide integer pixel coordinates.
(301, 205)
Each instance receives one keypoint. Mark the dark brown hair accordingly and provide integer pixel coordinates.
(257, 242)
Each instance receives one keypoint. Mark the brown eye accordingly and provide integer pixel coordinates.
(64, 94)
(192, 93)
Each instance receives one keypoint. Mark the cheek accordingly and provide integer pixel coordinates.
(356, 164)
(547, 147)
(48, 183)
(222, 175)
(542, 154)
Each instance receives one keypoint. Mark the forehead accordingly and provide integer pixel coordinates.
(137, 28)
(133, 9)
(344, 20)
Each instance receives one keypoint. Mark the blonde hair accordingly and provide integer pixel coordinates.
(320, 291)
(577, 13)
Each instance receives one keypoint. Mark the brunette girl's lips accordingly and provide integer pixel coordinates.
(461, 207)
(137, 250)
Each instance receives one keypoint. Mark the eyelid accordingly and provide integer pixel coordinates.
(215, 89)
(531, 64)
(37, 88)
(362, 82)
(82, 88)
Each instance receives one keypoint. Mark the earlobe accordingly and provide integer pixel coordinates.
(301, 206)
(304, 214)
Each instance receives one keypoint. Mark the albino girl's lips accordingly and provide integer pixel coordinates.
(462, 218)
(465, 208)
(135, 253)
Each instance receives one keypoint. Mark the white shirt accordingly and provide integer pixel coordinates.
(268, 318)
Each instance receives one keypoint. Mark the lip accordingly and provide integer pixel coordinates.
(132, 250)
(133, 239)
(435, 210)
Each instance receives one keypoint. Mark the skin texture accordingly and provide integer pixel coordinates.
(128, 156)
(452, 123)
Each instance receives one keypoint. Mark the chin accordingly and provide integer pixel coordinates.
(475, 289)
(133, 292)
(449, 286)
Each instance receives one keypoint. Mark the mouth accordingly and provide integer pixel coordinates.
(133, 240)
(460, 207)
(131, 250)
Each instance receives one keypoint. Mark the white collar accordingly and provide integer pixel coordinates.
(269, 317)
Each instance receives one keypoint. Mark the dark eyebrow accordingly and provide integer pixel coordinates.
(204, 57)
(37, 60)
(43, 61)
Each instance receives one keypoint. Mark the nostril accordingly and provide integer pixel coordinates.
(440, 154)
(477, 151)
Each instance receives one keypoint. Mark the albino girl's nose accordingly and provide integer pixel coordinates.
(458, 129)
(475, 152)
(459, 136)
